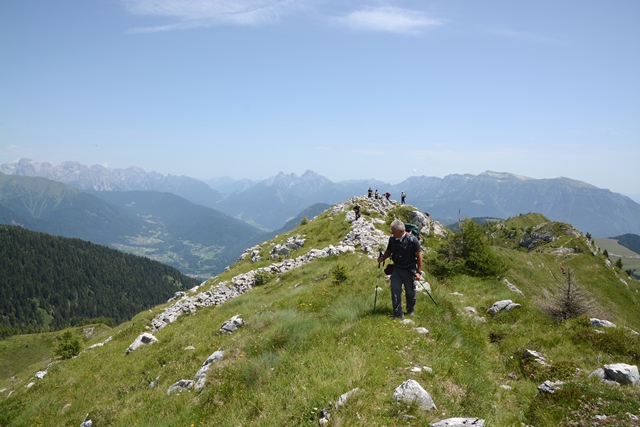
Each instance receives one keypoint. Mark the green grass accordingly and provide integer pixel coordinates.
(630, 259)
(309, 338)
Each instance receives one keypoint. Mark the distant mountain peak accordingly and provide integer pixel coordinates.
(309, 181)
(504, 175)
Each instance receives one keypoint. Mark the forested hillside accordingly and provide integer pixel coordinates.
(49, 283)
(629, 241)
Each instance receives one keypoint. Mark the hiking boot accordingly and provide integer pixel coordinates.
(411, 313)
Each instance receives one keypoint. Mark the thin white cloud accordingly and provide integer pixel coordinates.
(206, 13)
(388, 19)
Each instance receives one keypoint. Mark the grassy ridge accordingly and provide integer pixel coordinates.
(309, 339)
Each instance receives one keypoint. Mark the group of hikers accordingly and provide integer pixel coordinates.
(376, 195)
(405, 251)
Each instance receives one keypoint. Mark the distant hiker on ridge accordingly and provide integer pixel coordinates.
(406, 253)
(387, 195)
(402, 197)
(356, 208)
(376, 194)
(369, 192)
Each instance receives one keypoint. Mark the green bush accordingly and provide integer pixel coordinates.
(339, 274)
(69, 344)
(467, 252)
(262, 278)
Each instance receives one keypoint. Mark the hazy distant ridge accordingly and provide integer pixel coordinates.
(269, 203)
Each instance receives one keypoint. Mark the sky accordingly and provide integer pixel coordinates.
(350, 89)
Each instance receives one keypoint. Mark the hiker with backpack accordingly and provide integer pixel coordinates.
(406, 252)
(402, 197)
(356, 208)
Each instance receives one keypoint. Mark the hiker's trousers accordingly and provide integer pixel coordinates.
(398, 278)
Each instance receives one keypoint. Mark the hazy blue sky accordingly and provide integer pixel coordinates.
(350, 89)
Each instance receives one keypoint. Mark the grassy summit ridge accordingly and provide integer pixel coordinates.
(311, 335)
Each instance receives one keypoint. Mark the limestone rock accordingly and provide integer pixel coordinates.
(346, 396)
(459, 422)
(623, 373)
(411, 392)
(180, 386)
(232, 324)
(505, 305)
(538, 357)
(201, 376)
(549, 386)
(602, 323)
(143, 339)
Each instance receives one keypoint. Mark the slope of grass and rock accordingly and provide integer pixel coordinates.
(297, 332)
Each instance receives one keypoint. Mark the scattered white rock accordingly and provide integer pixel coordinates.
(86, 422)
(232, 324)
(154, 383)
(601, 323)
(201, 376)
(143, 339)
(538, 357)
(550, 386)
(100, 344)
(411, 392)
(342, 400)
(459, 422)
(180, 386)
(505, 305)
(622, 373)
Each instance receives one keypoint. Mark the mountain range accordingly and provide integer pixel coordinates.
(197, 240)
(269, 203)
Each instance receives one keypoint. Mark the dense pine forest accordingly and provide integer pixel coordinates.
(48, 283)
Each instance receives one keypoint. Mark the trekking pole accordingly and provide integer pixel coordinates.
(375, 299)
(425, 289)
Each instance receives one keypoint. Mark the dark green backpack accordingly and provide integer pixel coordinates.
(413, 229)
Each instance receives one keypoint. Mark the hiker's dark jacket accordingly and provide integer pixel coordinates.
(403, 252)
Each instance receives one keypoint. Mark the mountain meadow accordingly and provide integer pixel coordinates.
(297, 333)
